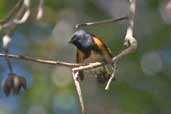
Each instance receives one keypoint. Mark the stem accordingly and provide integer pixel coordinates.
(8, 61)
(78, 88)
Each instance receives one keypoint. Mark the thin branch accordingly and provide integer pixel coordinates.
(129, 39)
(18, 15)
(12, 12)
(111, 77)
(6, 40)
(40, 10)
(24, 17)
(78, 88)
(8, 61)
(100, 22)
(23, 13)
(27, 58)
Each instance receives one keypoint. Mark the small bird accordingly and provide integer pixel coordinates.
(90, 48)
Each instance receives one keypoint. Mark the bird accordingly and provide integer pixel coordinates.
(91, 48)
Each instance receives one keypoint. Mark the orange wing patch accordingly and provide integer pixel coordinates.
(101, 45)
(80, 56)
(106, 52)
(98, 42)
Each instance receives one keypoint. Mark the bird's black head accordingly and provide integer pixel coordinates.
(82, 40)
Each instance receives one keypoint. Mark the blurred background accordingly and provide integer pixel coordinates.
(144, 77)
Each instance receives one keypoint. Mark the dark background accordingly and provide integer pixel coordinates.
(143, 85)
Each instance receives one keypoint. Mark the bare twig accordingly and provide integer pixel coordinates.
(40, 10)
(129, 39)
(24, 17)
(78, 88)
(100, 22)
(12, 12)
(18, 15)
(24, 13)
(6, 40)
(50, 62)
(111, 77)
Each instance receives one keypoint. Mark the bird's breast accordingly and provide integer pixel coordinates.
(94, 57)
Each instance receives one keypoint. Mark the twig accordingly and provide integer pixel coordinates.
(18, 15)
(100, 22)
(6, 40)
(24, 13)
(24, 17)
(111, 77)
(8, 61)
(27, 58)
(78, 88)
(12, 12)
(129, 39)
(40, 10)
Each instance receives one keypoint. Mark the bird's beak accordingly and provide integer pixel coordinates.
(70, 41)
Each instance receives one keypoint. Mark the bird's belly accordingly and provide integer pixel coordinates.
(102, 73)
(94, 57)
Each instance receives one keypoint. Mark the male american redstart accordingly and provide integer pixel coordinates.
(90, 48)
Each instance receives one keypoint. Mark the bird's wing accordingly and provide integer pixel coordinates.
(104, 50)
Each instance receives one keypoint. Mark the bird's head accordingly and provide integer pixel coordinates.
(82, 40)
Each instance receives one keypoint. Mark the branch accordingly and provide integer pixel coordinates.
(12, 12)
(129, 39)
(18, 15)
(100, 22)
(78, 88)
(27, 58)
(40, 10)
(111, 77)
(24, 13)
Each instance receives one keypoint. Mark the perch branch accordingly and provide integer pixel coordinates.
(27, 58)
